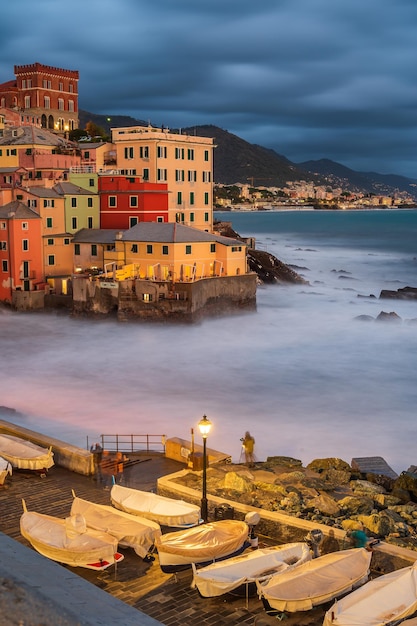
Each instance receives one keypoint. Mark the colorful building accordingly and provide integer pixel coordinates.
(81, 207)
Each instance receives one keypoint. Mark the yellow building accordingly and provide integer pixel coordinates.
(184, 162)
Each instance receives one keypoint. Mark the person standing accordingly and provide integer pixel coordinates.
(248, 443)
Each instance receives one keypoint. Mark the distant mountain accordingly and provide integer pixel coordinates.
(237, 161)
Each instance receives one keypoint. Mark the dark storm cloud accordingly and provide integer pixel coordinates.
(309, 78)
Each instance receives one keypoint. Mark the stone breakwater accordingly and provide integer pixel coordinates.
(327, 491)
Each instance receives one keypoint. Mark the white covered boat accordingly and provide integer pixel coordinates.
(388, 599)
(129, 530)
(258, 565)
(207, 543)
(164, 511)
(23, 454)
(317, 581)
(5, 470)
(69, 541)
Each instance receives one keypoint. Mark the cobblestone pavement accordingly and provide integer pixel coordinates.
(165, 597)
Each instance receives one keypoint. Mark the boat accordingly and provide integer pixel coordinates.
(257, 565)
(388, 599)
(5, 470)
(69, 541)
(202, 544)
(130, 531)
(320, 580)
(165, 511)
(25, 455)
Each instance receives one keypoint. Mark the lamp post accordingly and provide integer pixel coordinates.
(204, 426)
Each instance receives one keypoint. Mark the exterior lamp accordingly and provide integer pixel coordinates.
(204, 426)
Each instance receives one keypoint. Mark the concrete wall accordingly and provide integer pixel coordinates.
(181, 450)
(75, 459)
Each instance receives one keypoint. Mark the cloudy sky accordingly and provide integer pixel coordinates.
(309, 78)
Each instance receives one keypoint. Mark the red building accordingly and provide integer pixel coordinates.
(43, 95)
(125, 201)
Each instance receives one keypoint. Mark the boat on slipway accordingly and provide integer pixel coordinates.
(165, 511)
(130, 531)
(69, 541)
(257, 565)
(25, 455)
(204, 544)
(5, 470)
(384, 601)
(318, 581)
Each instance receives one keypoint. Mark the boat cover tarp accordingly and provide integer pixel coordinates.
(24, 454)
(5, 469)
(317, 581)
(165, 511)
(222, 577)
(383, 600)
(129, 530)
(66, 540)
(206, 542)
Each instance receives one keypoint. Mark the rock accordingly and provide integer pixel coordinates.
(237, 482)
(379, 524)
(353, 505)
(325, 505)
(385, 500)
(407, 481)
(405, 293)
(285, 461)
(364, 318)
(319, 465)
(388, 317)
(365, 488)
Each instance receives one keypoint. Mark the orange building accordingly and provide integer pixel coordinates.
(20, 250)
(43, 95)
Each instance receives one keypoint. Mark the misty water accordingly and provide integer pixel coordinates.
(301, 373)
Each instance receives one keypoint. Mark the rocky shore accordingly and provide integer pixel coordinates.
(327, 491)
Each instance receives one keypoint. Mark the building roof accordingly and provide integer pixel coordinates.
(43, 192)
(153, 232)
(33, 135)
(69, 189)
(17, 210)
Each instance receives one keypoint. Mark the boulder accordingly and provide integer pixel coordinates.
(388, 317)
(324, 504)
(354, 505)
(319, 465)
(236, 482)
(406, 481)
(365, 488)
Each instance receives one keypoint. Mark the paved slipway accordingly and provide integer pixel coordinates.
(35, 591)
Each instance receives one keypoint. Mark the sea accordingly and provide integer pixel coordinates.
(304, 373)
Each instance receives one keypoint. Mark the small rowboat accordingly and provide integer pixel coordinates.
(23, 454)
(5, 469)
(69, 541)
(165, 511)
(203, 544)
(317, 581)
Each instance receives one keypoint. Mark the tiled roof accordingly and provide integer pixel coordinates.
(34, 135)
(95, 235)
(70, 189)
(19, 211)
(43, 192)
(173, 233)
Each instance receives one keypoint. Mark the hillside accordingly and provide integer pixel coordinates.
(237, 161)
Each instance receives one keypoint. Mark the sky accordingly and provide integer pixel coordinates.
(310, 79)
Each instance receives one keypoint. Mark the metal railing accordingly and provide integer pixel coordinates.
(130, 443)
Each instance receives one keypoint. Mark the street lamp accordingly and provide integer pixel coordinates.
(204, 426)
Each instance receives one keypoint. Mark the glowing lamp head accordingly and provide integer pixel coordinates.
(204, 426)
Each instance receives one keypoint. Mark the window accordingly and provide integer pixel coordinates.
(192, 215)
(133, 201)
(112, 201)
(149, 248)
(93, 249)
(212, 247)
(51, 259)
(133, 221)
(71, 88)
(89, 222)
(236, 248)
(206, 217)
(134, 248)
(179, 218)
(2, 225)
(179, 153)
(160, 219)
(206, 155)
(74, 223)
(206, 177)
(162, 175)
(164, 249)
(48, 203)
(129, 152)
(66, 241)
(74, 203)
(46, 102)
(3, 245)
(162, 152)
(179, 197)
(60, 104)
(50, 242)
(32, 203)
(25, 226)
(190, 154)
(5, 266)
(61, 86)
(90, 180)
(145, 174)
(49, 222)
(77, 249)
(192, 176)
(71, 106)
(179, 176)
(206, 198)
(87, 157)
(188, 249)
(27, 102)
(147, 297)
(89, 202)
(144, 152)
(191, 197)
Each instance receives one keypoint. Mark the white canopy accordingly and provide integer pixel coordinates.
(24, 454)
(164, 511)
(129, 530)
(381, 601)
(224, 576)
(317, 581)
